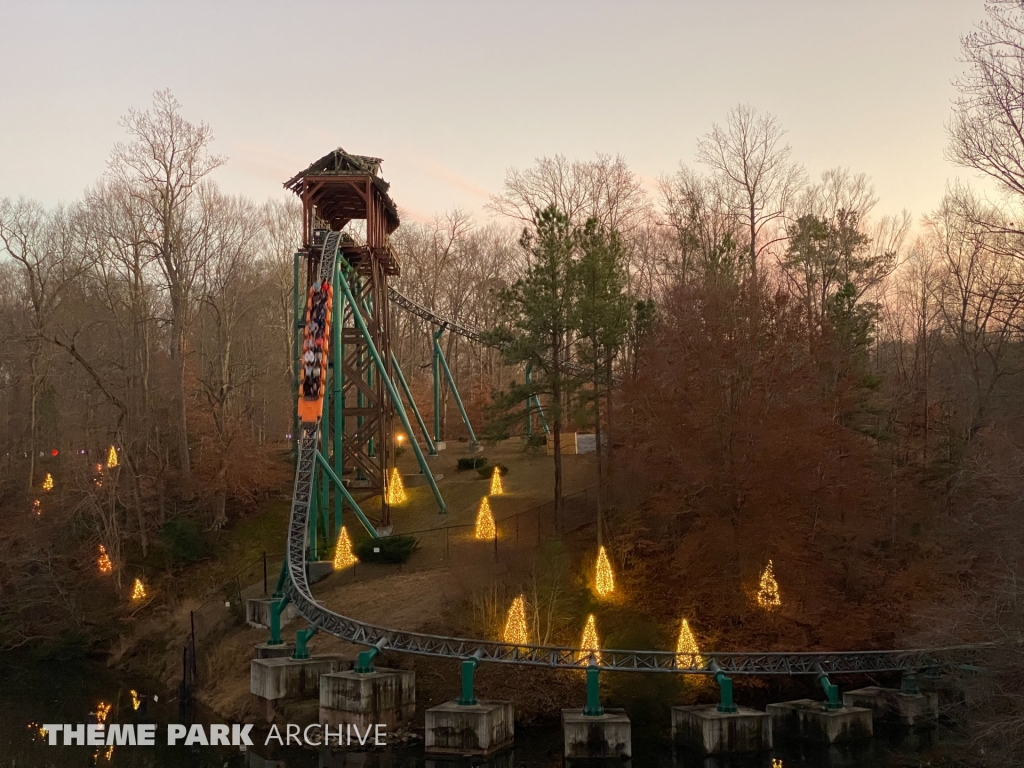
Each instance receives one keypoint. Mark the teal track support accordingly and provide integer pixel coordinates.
(364, 660)
(435, 366)
(338, 486)
(533, 402)
(908, 683)
(468, 697)
(338, 380)
(282, 579)
(276, 609)
(395, 398)
(314, 515)
(540, 412)
(439, 355)
(725, 704)
(832, 701)
(295, 341)
(431, 448)
(593, 708)
(302, 638)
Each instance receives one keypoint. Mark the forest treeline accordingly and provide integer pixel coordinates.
(761, 342)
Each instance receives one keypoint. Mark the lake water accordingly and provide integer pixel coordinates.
(36, 693)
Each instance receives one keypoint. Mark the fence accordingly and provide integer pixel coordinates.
(515, 537)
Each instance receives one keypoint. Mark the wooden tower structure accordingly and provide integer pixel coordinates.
(342, 192)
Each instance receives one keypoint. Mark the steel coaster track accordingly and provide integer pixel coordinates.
(361, 633)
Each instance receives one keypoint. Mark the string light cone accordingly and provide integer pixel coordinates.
(48, 482)
(396, 488)
(136, 700)
(106, 566)
(604, 579)
(516, 632)
(485, 529)
(343, 554)
(111, 458)
(768, 590)
(497, 489)
(102, 710)
(138, 591)
(776, 763)
(37, 507)
(590, 642)
(687, 651)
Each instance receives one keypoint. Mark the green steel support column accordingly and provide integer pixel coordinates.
(593, 708)
(302, 638)
(431, 448)
(395, 398)
(832, 701)
(276, 609)
(282, 579)
(338, 485)
(726, 704)
(436, 369)
(314, 513)
(455, 391)
(908, 682)
(468, 697)
(339, 402)
(296, 349)
(364, 660)
(324, 508)
(360, 403)
(543, 418)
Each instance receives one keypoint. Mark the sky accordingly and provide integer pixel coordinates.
(451, 94)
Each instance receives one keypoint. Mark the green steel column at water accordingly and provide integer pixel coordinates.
(276, 609)
(296, 349)
(325, 465)
(302, 638)
(339, 402)
(468, 697)
(364, 661)
(455, 391)
(431, 448)
(436, 368)
(832, 701)
(396, 400)
(725, 705)
(282, 579)
(593, 708)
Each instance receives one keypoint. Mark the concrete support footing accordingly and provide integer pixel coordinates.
(267, 651)
(386, 696)
(415, 479)
(257, 612)
(890, 705)
(318, 570)
(596, 737)
(440, 445)
(702, 727)
(477, 729)
(808, 720)
(284, 678)
(475, 448)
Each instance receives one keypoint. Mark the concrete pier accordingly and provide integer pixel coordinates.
(702, 727)
(595, 737)
(890, 705)
(268, 651)
(257, 612)
(809, 720)
(385, 696)
(475, 729)
(415, 479)
(285, 678)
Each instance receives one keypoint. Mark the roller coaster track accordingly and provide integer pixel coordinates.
(361, 633)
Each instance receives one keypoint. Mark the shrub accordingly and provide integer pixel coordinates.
(393, 549)
(471, 462)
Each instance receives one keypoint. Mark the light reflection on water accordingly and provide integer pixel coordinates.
(34, 694)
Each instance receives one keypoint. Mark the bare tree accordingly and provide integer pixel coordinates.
(163, 166)
(749, 154)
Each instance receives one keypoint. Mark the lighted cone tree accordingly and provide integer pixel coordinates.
(687, 651)
(138, 591)
(497, 489)
(104, 563)
(396, 488)
(768, 590)
(590, 642)
(485, 529)
(516, 632)
(37, 507)
(136, 700)
(343, 554)
(111, 458)
(48, 482)
(604, 579)
(102, 710)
